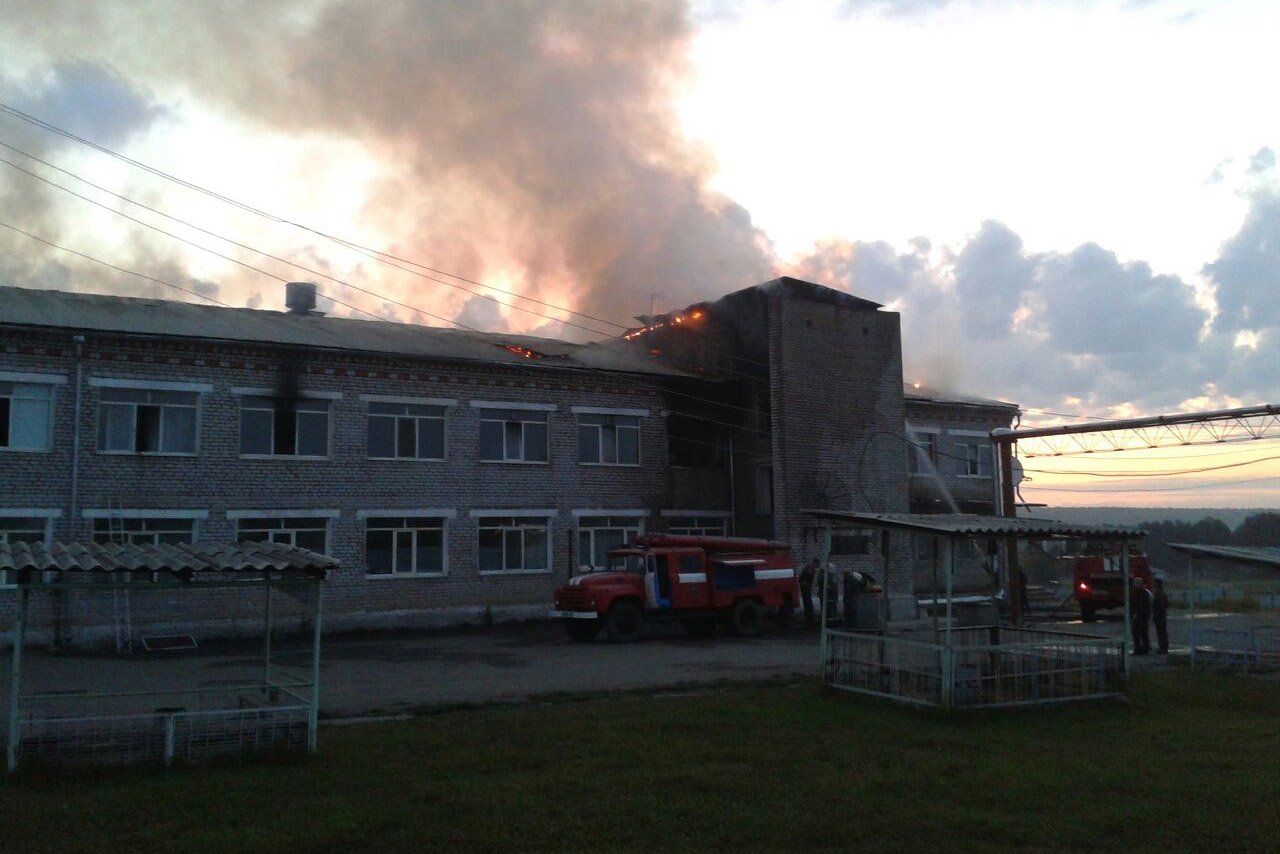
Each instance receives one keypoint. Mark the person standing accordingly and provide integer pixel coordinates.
(1160, 615)
(1140, 615)
(807, 574)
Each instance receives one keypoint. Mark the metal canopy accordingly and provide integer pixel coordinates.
(973, 525)
(30, 561)
(1264, 555)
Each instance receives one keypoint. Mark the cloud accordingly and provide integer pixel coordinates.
(1246, 272)
(93, 101)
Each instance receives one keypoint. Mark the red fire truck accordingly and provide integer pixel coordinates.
(700, 581)
(1098, 582)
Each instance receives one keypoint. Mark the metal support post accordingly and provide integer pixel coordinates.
(886, 612)
(1009, 508)
(266, 640)
(948, 652)
(1128, 616)
(1191, 581)
(15, 676)
(313, 714)
(822, 599)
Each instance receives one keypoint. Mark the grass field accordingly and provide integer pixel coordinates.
(1191, 763)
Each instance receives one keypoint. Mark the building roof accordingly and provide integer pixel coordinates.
(83, 312)
(178, 559)
(924, 394)
(972, 525)
(1265, 555)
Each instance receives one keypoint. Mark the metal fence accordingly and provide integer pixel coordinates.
(163, 737)
(985, 666)
(1248, 648)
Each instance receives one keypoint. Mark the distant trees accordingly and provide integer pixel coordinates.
(1259, 529)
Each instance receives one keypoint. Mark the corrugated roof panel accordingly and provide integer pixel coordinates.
(172, 558)
(972, 525)
(1265, 555)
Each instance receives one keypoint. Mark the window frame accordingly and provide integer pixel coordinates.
(441, 518)
(510, 412)
(973, 450)
(134, 406)
(48, 382)
(547, 518)
(635, 517)
(700, 518)
(143, 516)
(595, 412)
(269, 394)
(929, 449)
(326, 517)
(443, 404)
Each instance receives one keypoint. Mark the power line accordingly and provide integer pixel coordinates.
(1157, 474)
(1120, 490)
(113, 266)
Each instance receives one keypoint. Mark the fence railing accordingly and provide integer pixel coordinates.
(1248, 648)
(985, 666)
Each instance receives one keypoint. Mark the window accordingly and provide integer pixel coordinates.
(598, 534)
(975, 459)
(147, 421)
(113, 529)
(305, 532)
(612, 440)
(406, 431)
(404, 545)
(23, 529)
(26, 416)
(922, 453)
(513, 435)
(696, 442)
(697, 526)
(850, 541)
(519, 544)
(284, 428)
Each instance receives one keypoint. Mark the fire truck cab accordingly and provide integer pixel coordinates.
(701, 581)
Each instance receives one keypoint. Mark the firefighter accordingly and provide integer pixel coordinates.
(807, 574)
(1160, 615)
(1140, 614)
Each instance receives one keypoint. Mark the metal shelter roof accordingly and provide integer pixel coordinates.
(1265, 555)
(179, 559)
(973, 525)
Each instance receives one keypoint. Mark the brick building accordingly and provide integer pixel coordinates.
(454, 474)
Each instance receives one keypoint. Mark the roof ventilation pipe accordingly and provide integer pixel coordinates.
(300, 297)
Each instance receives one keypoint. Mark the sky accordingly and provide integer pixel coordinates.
(1074, 205)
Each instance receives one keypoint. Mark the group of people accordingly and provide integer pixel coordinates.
(836, 581)
(1146, 607)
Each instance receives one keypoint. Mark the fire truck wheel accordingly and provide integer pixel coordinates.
(623, 622)
(1088, 613)
(746, 619)
(582, 630)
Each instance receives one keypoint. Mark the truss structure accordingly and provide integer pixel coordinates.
(1218, 426)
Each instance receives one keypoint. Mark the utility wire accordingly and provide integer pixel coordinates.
(1121, 490)
(1169, 473)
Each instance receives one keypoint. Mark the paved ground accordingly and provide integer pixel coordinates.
(380, 675)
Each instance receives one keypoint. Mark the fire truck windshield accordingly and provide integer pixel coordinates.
(626, 563)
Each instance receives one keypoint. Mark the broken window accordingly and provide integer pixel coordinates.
(147, 421)
(274, 427)
(607, 439)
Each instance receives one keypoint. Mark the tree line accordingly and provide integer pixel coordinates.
(1258, 529)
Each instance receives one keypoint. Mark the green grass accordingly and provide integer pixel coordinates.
(1190, 763)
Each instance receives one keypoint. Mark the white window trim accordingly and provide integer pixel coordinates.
(148, 386)
(549, 515)
(433, 512)
(31, 512)
(444, 515)
(245, 391)
(154, 385)
(22, 377)
(640, 517)
(607, 410)
(983, 434)
(235, 515)
(500, 404)
(521, 513)
(696, 514)
(418, 401)
(605, 512)
(911, 428)
(132, 513)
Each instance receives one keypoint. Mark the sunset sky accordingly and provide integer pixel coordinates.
(1074, 205)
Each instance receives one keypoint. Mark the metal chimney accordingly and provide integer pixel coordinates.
(300, 297)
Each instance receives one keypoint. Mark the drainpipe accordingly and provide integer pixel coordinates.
(72, 522)
(733, 501)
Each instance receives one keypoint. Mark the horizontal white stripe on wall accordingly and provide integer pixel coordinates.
(430, 512)
(154, 385)
(606, 410)
(272, 392)
(419, 401)
(30, 512)
(607, 512)
(521, 513)
(508, 404)
(273, 514)
(697, 514)
(24, 377)
(133, 513)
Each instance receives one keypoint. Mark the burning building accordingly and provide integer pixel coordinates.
(455, 474)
